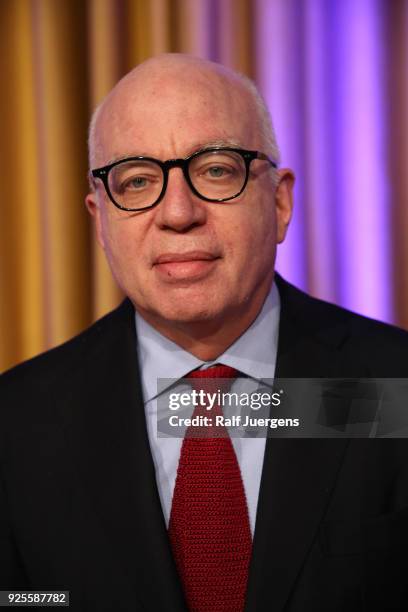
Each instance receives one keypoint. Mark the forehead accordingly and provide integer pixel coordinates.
(165, 115)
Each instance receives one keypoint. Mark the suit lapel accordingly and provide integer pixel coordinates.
(111, 450)
(298, 474)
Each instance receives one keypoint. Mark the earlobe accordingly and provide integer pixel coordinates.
(91, 203)
(94, 209)
(284, 202)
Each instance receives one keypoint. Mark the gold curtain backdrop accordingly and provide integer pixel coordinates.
(58, 59)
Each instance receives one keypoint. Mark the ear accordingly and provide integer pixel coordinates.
(284, 202)
(94, 208)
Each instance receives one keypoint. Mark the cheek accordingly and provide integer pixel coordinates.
(253, 238)
(123, 245)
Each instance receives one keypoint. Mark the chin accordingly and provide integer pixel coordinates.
(186, 313)
(183, 311)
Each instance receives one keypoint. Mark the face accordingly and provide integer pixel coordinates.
(188, 261)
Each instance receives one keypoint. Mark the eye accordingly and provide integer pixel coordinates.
(216, 171)
(217, 167)
(137, 182)
(135, 177)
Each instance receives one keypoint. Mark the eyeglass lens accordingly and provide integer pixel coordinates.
(215, 175)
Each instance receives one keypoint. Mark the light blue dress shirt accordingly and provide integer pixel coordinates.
(253, 354)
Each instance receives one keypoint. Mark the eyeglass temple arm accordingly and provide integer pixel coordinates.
(267, 158)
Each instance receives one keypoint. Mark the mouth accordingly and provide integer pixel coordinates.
(191, 265)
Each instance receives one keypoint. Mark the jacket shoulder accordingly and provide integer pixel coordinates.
(380, 349)
(316, 311)
(72, 354)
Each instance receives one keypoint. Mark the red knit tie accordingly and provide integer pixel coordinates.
(209, 526)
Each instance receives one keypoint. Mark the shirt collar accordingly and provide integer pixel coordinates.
(253, 353)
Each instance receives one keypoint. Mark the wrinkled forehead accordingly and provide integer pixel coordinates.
(162, 113)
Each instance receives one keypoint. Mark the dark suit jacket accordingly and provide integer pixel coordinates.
(79, 507)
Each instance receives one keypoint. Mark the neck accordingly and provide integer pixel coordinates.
(207, 340)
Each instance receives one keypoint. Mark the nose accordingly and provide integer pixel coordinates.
(180, 210)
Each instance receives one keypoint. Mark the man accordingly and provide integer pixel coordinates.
(189, 206)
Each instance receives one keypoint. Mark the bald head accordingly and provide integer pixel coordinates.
(178, 78)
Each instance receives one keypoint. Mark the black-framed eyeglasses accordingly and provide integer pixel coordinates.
(214, 175)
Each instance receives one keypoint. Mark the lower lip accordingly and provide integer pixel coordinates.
(194, 269)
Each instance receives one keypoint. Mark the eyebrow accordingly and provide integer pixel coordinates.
(194, 149)
(215, 143)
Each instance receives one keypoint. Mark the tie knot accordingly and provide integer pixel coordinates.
(218, 377)
(217, 371)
